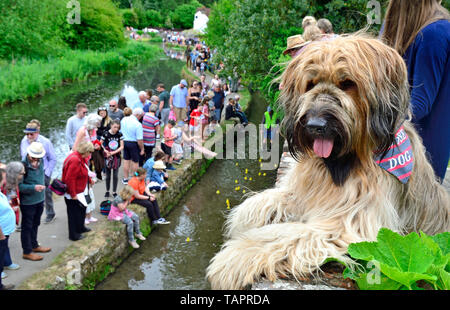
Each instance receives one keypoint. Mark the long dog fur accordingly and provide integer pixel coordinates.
(309, 216)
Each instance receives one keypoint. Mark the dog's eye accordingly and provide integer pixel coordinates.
(310, 86)
(346, 85)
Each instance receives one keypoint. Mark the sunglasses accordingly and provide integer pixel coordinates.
(31, 133)
(112, 106)
(34, 159)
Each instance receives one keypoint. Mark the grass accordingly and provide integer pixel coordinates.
(29, 78)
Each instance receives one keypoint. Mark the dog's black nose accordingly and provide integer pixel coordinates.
(316, 125)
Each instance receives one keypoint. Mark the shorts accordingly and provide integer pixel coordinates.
(166, 149)
(131, 151)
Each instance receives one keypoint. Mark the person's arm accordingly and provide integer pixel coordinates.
(69, 132)
(139, 196)
(122, 206)
(79, 138)
(23, 148)
(140, 139)
(119, 149)
(429, 69)
(2, 236)
(51, 157)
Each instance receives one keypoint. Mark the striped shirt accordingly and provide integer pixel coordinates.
(149, 123)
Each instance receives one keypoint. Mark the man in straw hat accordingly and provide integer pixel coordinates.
(32, 196)
(32, 134)
(294, 45)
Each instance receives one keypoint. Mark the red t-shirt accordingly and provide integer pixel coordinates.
(194, 113)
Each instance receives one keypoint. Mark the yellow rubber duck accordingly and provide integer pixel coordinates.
(187, 239)
(218, 192)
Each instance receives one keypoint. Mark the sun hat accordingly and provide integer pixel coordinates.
(184, 82)
(31, 128)
(36, 150)
(296, 41)
(159, 165)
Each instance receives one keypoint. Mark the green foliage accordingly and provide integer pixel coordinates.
(218, 22)
(400, 262)
(101, 27)
(262, 27)
(183, 15)
(154, 18)
(31, 28)
(130, 18)
(28, 78)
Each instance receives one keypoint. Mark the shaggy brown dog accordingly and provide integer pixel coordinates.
(345, 100)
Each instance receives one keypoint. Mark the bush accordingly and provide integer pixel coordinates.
(31, 28)
(130, 18)
(183, 16)
(29, 78)
(154, 19)
(101, 27)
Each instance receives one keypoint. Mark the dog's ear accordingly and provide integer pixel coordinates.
(389, 95)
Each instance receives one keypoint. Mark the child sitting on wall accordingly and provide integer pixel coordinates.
(119, 212)
(157, 179)
(160, 155)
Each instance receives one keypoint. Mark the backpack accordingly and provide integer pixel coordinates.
(105, 207)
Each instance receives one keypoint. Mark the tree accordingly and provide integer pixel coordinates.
(31, 28)
(218, 27)
(183, 16)
(101, 27)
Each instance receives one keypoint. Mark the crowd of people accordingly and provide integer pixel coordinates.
(124, 135)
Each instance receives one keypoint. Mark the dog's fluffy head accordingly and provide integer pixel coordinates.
(343, 100)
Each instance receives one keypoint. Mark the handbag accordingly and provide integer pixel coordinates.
(172, 115)
(87, 196)
(58, 187)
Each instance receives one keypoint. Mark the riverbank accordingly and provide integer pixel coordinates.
(26, 79)
(89, 261)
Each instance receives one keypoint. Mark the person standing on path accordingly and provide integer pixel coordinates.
(32, 196)
(142, 101)
(112, 143)
(74, 123)
(178, 100)
(218, 99)
(164, 105)
(75, 176)
(114, 112)
(133, 136)
(7, 227)
(32, 134)
(150, 126)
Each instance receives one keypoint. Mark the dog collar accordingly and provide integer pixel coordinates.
(398, 160)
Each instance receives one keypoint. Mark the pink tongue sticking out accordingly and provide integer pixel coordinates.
(323, 147)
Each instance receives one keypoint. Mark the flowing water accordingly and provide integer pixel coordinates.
(168, 260)
(54, 108)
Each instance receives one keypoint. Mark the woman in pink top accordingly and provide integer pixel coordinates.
(119, 212)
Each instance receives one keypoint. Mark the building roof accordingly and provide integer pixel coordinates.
(204, 10)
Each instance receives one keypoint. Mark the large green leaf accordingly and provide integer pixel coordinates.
(405, 259)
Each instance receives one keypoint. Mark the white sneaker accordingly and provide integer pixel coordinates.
(141, 237)
(86, 221)
(93, 219)
(134, 244)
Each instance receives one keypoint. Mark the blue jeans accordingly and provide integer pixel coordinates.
(3, 249)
